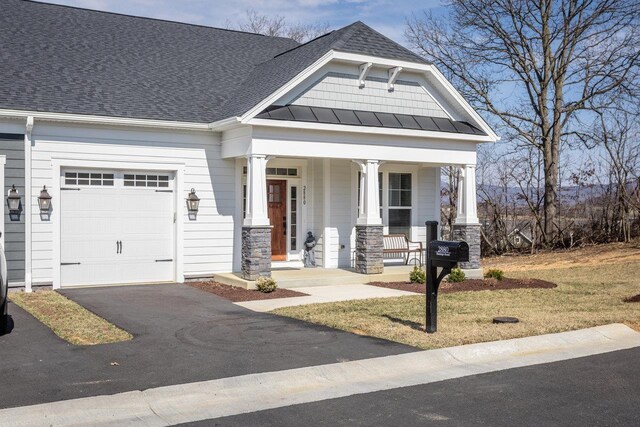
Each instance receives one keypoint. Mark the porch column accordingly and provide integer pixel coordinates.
(467, 226)
(369, 244)
(256, 229)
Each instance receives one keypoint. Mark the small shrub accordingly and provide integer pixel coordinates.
(456, 275)
(417, 275)
(494, 273)
(266, 284)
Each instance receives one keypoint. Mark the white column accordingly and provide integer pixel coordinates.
(467, 207)
(369, 199)
(257, 214)
(28, 141)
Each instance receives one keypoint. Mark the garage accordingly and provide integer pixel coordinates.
(116, 227)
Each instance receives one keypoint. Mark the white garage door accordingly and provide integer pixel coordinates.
(116, 227)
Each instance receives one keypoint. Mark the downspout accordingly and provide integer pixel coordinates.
(28, 140)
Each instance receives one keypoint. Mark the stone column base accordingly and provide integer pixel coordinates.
(256, 252)
(473, 273)
(470, 233)
(369, 246)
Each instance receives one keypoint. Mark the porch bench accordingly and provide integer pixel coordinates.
(400, 244)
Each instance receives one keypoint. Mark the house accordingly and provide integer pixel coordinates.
(519, 238)
(120, 119)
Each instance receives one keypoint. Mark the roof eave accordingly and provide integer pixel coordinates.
(101, 120)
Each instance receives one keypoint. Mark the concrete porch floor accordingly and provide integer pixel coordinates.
(303, 277)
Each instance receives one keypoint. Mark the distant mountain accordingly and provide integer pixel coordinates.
(568, 194)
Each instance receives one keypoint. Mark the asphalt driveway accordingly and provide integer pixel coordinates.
(181, 334)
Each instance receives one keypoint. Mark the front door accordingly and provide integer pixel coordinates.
(277, 201)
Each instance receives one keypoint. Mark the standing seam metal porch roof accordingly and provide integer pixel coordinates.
(64, 59)
(338, 116)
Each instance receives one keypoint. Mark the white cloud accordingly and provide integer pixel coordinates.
(387, 16)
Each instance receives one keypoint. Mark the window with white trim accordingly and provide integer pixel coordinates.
(289, 172)
(143, 180)
(399, 204)
(396, 209)
(89, 178)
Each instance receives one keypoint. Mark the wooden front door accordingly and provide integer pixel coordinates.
(277, 201)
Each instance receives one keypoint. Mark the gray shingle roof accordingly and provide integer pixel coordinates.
(269, 76)
(69, 60)
(301, 113)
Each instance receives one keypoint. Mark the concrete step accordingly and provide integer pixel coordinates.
(304, 277)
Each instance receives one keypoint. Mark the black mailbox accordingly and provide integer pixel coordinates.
(444, 253)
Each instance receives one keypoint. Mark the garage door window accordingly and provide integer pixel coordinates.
(137, 180)
(88, 178)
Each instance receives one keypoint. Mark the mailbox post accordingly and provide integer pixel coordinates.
(446, 255)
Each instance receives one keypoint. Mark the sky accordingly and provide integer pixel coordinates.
(386, 16)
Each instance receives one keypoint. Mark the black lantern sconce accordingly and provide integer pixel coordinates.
(13, 202)
(44, 201)
(193, 202)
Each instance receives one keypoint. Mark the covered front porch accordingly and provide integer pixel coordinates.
(347, 193)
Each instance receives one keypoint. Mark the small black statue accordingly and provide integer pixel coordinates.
(309, 255)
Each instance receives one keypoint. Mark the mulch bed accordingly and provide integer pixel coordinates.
(635, 298)
(236, 294)
(471, 285)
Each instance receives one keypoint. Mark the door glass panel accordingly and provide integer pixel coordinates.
(244, 201)
(294, 217)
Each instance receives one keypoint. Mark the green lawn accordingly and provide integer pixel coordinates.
(586, 296)
(70, 321)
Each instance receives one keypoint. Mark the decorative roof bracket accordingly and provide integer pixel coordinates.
(364, 71)
(393, 76)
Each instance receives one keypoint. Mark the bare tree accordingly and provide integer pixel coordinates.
(618, 135)
(277, 26)
(534, 66)
(449, 192)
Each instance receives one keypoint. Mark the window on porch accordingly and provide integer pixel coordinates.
(395, 210)
(399, 204)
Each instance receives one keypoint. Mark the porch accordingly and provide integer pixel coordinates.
(307, 277)
(346, 190)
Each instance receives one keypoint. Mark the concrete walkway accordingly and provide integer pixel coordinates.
(320, 294)
(288, 278)
(251, 393)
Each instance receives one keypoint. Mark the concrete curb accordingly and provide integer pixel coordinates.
(250, 393)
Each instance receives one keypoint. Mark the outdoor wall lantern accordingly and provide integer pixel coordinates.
(44, 201)
(193, 202)
(13, 202)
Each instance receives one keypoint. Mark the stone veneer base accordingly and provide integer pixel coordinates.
(256, 252)
(470, 233)
(369, 247)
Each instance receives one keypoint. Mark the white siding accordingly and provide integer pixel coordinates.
(428, 201)
(208, 241)
(341, 90)
(341, 213)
